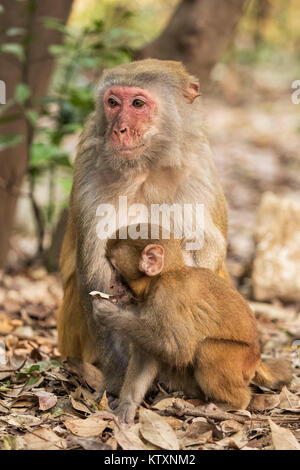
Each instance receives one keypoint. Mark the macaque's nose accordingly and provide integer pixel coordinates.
(120, 131)
(122, 134)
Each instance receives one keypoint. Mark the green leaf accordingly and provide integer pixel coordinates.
(98, 25)
(66, 183)
(15, 31)
(88, 62)
(10, 140)
(30, 369)
(54, 363)
(1, 9)
(22, 93)
(63, 160)
(32, 380)
(20, 376)
(56, 49)
(32, 116)
(37, 367)
(54, 23)
(71, 128)
(42, 154)
(44, 100)
(13, 48)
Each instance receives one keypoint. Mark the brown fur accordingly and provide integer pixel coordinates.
(187, 322)
(176, 167)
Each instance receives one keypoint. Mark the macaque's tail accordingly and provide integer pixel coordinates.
(273, 373)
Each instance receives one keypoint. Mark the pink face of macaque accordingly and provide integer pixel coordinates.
(132, 112)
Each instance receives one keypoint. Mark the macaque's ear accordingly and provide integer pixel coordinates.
(193, 90)
(152, 260)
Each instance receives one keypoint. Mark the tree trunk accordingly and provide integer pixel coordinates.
(197, 34)
(35, 72)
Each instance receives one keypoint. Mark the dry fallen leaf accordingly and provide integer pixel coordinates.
(104, 414)
(283, 439)
(230, 425)
(197, 433)
(128, 439)
(21, 420)
(157, 431)
(77, 405)
(10, 442)
(43, 439)
(236, 441)
(88, 443)
(189, 443)
(89, 427)
(46, 400)
(103, 405)
(5, 325)
(86, 373)
(135, 428)
(263, 401)
(163, 403)
(3, 409)
(175, 423)
(289, 401)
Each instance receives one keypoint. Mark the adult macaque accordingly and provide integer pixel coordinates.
(145, 141)
(188, 326)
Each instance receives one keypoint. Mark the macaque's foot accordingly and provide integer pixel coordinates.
(113, 403)
(126, 412)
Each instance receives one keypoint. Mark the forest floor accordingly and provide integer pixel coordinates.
(49, 404)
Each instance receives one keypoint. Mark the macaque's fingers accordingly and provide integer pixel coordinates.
(104, 307)
(113, 316)
(113, 403)
(126, 412)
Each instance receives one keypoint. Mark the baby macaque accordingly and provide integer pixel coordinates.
(184, 324)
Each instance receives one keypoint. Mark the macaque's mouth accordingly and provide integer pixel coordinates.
(129, 150)
(127, 295)
(122, 291)
(119, 287)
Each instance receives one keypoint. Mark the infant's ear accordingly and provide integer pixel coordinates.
(152, 260)
(193, 90)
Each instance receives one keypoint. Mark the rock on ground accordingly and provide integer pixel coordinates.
(276, 269)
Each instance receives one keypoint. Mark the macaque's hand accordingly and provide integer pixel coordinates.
(110, 314)
(126, 412)
(105, 309)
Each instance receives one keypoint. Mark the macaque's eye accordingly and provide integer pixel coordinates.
(138, 103)
(112, 102)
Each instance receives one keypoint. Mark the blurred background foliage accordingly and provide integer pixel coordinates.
(104, 34)
(146, 18)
